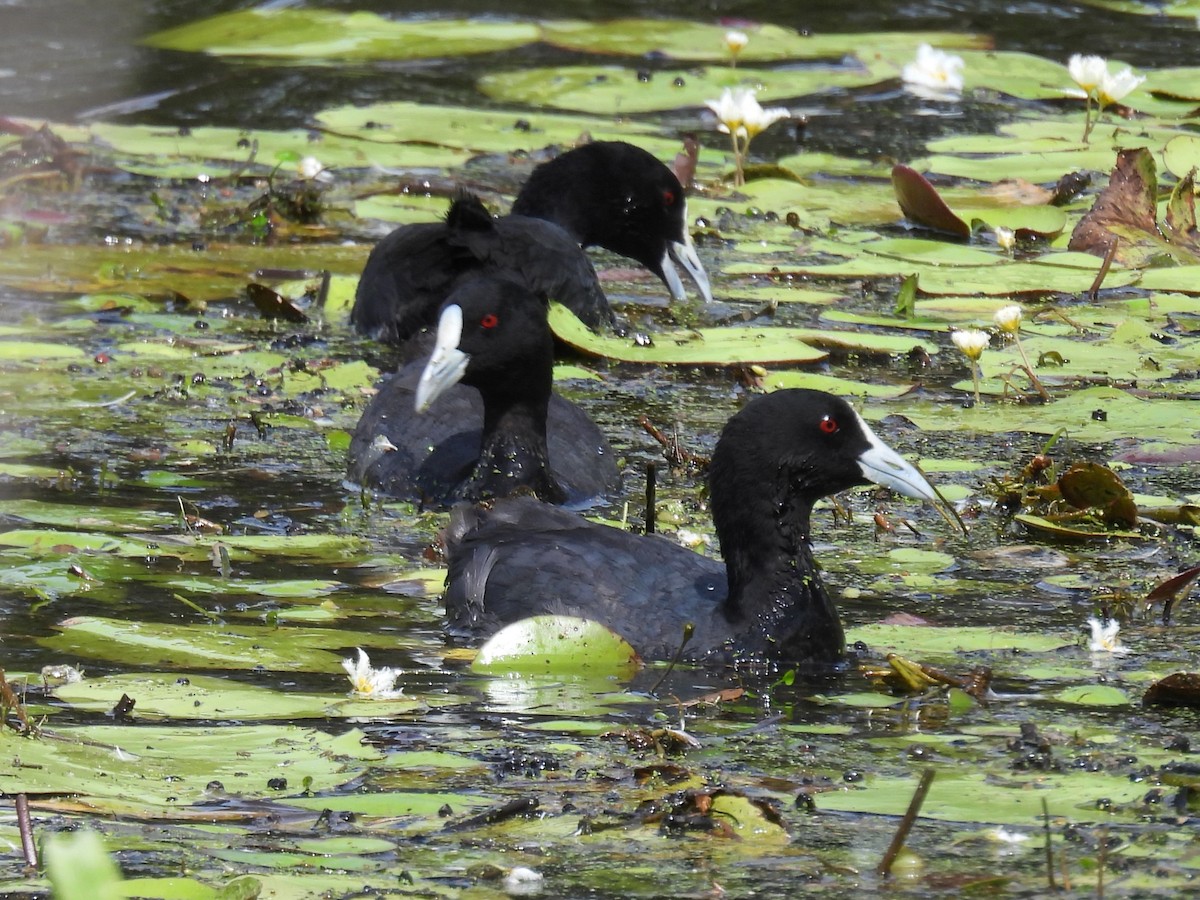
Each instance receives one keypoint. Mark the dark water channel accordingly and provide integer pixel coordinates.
(76, 62)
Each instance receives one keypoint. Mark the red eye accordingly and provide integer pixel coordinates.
(668, 198)
(829, 425)
(489, 321)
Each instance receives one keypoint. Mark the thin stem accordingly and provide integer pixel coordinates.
(975, 379)
(1042, 392)
(1087, 117)
(738, 178)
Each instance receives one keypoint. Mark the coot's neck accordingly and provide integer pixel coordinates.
(777, 604)
(513, 451)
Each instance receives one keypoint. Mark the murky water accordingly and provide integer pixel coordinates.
(69, 60)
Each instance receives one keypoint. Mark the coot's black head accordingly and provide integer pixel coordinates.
(614, 195)
(492, 334)
(784, 451)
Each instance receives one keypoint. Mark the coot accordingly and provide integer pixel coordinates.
(425, 437)
(775, 458)
(414, 269)
(617, 196)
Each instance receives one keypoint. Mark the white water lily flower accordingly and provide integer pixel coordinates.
(728, 109)
(522, 881)
(367, 681)
(736, 41)
(740, 116)
(1087, 71)
(1008, 318)
(1115, 88)
(971, 342)
(1104, 637)
(313, 169)
(1004, 836)
(936, 74)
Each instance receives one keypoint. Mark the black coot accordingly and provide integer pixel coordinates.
(775, 458)
(617, 196)
(425, 437)
(414, 269)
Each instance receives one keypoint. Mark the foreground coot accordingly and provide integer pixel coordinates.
(426, 437)
(774, 460)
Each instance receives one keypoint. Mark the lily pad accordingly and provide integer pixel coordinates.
(205, 697)
(207, 646)
(917, 641)
(681, 39)
(726, 346)
(159, 770)
(291, 33)
(556, 645)
(616, 90)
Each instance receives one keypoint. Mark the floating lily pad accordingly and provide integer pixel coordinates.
(290, 33)
(1093, 695)
(726, 346)
(681, 39)
(159, 771)
(205, 697)
(964, 796)
(481, 130)
(1091, 414)
(918, 641)
(556, 645)
(616, 90)
(207, 646)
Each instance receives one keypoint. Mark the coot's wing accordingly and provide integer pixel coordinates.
(407, 276)
(522, 558)
(552, 265)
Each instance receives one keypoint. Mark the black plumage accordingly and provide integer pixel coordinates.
(774, 460)
(501, 431)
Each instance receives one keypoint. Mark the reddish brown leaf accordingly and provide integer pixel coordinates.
(920, 201)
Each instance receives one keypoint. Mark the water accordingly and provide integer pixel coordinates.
(72, 61)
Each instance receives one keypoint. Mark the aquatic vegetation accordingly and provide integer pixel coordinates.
(177, 526)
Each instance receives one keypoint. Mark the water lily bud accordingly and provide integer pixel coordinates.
(971, 342)
(1008, 318)
(1006, 238)
(735, 41)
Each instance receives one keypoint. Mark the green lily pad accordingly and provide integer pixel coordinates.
(833, 384)
(159, 770)
(961, 795)
(918, 641)
(556, 645)
(36, 351)
(1093, 695)
(616, 90)
(290, 33)
(207, 646)
(479, 130)
(205, 697)
(726, 346)
(1094, 414)
(681, 39)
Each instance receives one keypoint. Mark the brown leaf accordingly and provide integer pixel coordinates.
(1126, 212)
(1179, 689)
(921, 202)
